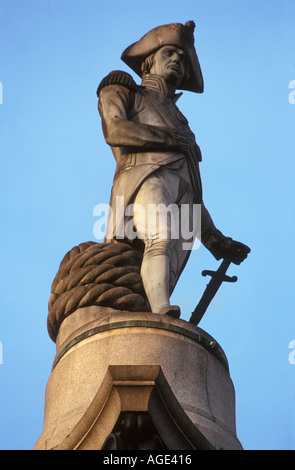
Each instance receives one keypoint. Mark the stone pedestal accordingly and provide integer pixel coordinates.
(116, 366)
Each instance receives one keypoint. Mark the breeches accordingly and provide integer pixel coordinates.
(166, 218)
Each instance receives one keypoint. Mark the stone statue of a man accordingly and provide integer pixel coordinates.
(158, 159)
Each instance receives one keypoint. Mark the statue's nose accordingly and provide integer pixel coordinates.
(175, 58)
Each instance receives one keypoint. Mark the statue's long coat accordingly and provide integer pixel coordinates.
(143, 126)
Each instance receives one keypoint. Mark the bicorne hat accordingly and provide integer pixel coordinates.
(175, 34)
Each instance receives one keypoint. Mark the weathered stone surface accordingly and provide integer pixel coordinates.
(109, 362)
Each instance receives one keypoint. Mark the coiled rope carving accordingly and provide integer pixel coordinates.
(104, 274)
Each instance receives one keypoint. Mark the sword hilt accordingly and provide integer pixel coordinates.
(220, 275)
(225, 277)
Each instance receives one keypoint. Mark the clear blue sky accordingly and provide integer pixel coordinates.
(55, 167)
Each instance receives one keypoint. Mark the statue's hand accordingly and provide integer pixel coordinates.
(231, 249)
(180, 141)
(185, 142)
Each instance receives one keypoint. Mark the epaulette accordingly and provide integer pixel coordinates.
(117, 77)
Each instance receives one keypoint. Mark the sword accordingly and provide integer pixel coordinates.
(217, 278)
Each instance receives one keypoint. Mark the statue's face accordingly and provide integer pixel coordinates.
(171, 63)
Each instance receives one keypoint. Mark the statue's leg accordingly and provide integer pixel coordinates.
(154, 216)
(155, 278)
(165, 219)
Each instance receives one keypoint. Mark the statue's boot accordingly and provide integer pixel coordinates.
(171, 310)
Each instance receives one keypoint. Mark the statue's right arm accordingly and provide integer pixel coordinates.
(119, 131)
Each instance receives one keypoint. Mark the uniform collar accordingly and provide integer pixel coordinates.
(158, 84)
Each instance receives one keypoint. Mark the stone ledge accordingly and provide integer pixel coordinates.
(90, 321)
(110, 362)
